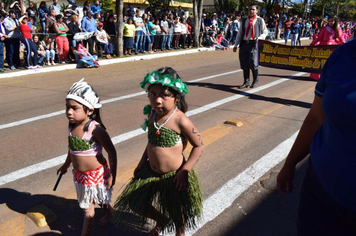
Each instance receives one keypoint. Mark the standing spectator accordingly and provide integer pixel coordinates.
(96, 7)
(129, 35)
(139, 31)
(73, 27)
(170, 31)
(86, 7)
(208, 21)
(202, 30)
(61, 30)
(235, 28)
(157, 36)
(286, 25)
(130, 10)
(48, 45)
(42, 13)
(307, 29)
(66, 18)
(30, 47)
(3, 37)
(180, 11)
(164, 32)
(110, 26)
(183, 34)
(151, 27)
(12, 42)
(88, 25)
(177, 32)
(301, 31)
(51, 19)
(327, 204)
(17, 8)
(252, 28)
(220, 21)
(3, 11)
(73, 10)
(32, 12)
(146, 40)
(294, 31)
(189, 32)
(104, 40)
(56, 7)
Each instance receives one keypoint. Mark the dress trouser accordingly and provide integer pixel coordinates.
(1, 55)
(13, 52)
(248, 56)
(90, 41)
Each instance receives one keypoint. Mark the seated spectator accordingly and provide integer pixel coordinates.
(48, 45)
(40, 49)
(103, 39)
(84, 60)
(61, 30)
(30, 47)
(222, 40)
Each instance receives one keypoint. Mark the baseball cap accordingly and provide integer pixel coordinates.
(204, 14)
(100, 24)
(90, 12)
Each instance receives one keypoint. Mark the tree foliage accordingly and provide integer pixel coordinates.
(227, 5)
(107, 5)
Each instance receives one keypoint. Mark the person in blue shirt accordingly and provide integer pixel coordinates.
(327, 204)
(294, 31)
(96, 7)
(42, 13)
(88, 25)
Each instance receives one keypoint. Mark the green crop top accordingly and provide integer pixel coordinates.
(166, 138)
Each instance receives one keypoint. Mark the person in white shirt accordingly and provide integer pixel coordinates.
(103, 39)
(177, 32)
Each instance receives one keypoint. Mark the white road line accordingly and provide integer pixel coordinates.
(21, 122)
(24, 172)
(224, 197)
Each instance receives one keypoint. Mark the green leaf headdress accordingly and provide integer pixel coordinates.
(155, 77)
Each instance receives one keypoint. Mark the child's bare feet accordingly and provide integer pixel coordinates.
(103, 221)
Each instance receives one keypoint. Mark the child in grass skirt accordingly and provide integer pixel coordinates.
(165, 187)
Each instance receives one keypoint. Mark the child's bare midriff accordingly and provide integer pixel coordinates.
(165, 159)
(86, 163)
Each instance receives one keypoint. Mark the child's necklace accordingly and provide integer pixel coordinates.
(154, 121)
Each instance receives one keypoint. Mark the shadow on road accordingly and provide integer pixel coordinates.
(232, 89)
(69, 216)
(276, 215)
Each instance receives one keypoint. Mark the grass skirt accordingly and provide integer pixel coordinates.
(179, 209)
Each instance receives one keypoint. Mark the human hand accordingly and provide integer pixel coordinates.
(62, 170)
(110, 182)
(235, 49)
(285, 182)
(181, 180)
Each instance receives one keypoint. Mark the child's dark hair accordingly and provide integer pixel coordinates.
(181, 104)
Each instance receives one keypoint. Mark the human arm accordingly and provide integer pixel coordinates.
(301, 146)
(102, 137)
(63, 169)
(319, 38)
(190, 132)
(264, 31)
(142, 162)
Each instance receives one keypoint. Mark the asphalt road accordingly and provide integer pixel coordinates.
(237, 170)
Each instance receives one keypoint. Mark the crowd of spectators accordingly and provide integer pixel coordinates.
(50, 30)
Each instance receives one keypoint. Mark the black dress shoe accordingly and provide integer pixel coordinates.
(243, 86)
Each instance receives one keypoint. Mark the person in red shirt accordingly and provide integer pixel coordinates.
(30, 46)
(286, 25)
